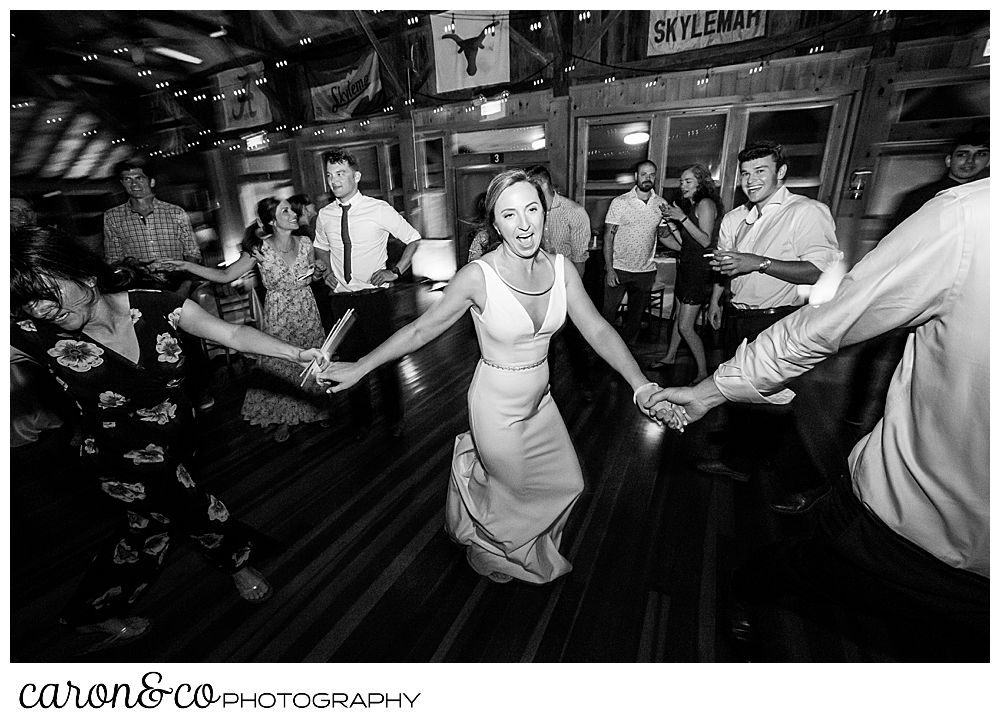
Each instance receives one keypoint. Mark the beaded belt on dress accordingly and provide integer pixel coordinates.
(515, 369)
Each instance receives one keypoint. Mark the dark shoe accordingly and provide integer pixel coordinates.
(205, 401)
(398, 429)
(798, 503)
(715, 467)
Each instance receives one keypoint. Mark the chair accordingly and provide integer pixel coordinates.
(656, 295)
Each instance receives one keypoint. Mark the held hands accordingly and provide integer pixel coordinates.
(165, 265)
(338, 376)
(660, 412)
(305, 357)
(734, 263)
(693, 402)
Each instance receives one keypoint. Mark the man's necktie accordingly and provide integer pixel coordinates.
(345, 235)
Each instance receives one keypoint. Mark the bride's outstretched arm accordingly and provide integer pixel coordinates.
(464, 290)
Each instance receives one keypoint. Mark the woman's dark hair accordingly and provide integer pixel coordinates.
(266, 209)
(40, 254)
(500, 183)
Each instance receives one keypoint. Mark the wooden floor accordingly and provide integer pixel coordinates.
(353, 540)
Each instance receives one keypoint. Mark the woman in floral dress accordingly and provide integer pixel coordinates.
(287, 267)
(118, 353)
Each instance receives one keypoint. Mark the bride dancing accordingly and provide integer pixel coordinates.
(515, 475)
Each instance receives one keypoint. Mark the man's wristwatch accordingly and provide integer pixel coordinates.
(764, 265)
(395, 270)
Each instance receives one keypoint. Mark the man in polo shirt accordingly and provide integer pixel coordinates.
(767, 246)
(629, 244)
(567, 232)
(352, 235)
(146, 228)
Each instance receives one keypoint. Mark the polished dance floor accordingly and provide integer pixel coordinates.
(352, 538)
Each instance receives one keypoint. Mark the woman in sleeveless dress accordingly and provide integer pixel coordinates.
(515, 475)
(694, 229)
(287, 267)
(115, 348)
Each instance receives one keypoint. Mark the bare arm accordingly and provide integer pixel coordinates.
(599, 334)
(198, 322)
(220, 276)
(466, 288)
(610, 277)
(384, 275)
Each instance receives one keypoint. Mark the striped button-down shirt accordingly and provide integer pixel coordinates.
(163, 234)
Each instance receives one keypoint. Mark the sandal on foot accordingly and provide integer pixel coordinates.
(282, 434)
(258, 592)
(326, 423)
(661, 364)
(115, 632)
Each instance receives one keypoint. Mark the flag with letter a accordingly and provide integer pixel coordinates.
(471, 48)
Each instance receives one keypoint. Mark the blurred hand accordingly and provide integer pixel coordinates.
(693, 402)
(734, 263)
(161, 265)
(382, 276)
(339, 376)
(673, 212)
(611, 278)
(715, 315)
(330, 280)
(308, 356)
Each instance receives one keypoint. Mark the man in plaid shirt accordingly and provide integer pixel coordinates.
(146, 228)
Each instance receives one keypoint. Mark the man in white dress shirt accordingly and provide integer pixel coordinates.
(352, 235)
(909, 531)
(767, 247)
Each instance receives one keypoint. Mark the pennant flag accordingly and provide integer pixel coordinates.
(243, 104)
(471, 48)
(353, 91)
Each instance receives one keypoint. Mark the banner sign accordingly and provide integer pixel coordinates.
(674, 31)
(243, 104)
(356, 88)
(471, 48)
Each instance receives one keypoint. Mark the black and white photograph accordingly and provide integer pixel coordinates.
(385, 338)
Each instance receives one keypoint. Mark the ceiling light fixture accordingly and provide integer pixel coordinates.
(636, 139)
(177, 55)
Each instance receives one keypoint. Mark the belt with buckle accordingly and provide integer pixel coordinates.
(750, 313)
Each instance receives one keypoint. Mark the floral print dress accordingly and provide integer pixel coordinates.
(290, 314)
(138, 445)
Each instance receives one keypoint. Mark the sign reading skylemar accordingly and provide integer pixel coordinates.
(673, 31)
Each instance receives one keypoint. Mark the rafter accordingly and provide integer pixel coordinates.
(602, 31)
(387, 66)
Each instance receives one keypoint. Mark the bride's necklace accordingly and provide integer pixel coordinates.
(509, 285)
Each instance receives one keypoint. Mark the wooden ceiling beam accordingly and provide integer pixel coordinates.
(602, 31)
(387, 66)
(530, 48)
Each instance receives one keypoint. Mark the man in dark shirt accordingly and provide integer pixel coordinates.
(969, 160)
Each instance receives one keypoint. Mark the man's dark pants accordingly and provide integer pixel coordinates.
(373, 325)
(637, 286)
